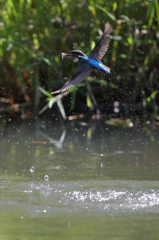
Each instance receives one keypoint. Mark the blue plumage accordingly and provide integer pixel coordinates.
(88, 63)
(94, 64)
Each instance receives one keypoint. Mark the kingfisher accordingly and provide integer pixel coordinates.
(90, 62)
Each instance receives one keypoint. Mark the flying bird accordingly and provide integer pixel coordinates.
(90, 62)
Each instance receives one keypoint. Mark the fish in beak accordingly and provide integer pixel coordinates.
(63, 55)
(68, 54)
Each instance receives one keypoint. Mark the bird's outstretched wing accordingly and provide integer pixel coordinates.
(80, 75)
(102, 45)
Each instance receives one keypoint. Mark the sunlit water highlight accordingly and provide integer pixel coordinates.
(111, 196)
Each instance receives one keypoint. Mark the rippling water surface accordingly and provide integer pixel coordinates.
(79, 182)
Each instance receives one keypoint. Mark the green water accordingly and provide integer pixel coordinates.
(79, 182)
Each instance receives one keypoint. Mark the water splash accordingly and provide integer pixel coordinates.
(32, 169)
(46, 178)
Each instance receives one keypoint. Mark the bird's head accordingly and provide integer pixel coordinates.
(75, 53)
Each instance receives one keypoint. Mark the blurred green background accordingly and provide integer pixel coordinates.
(33, 32)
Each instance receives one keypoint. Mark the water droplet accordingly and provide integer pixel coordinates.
(32, 169)
(46, 178)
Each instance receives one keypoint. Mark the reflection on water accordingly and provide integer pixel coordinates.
(79, 182)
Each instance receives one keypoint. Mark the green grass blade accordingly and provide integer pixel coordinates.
(45, 92)
(61, 108)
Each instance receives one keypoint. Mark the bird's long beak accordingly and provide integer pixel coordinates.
(65, 54)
